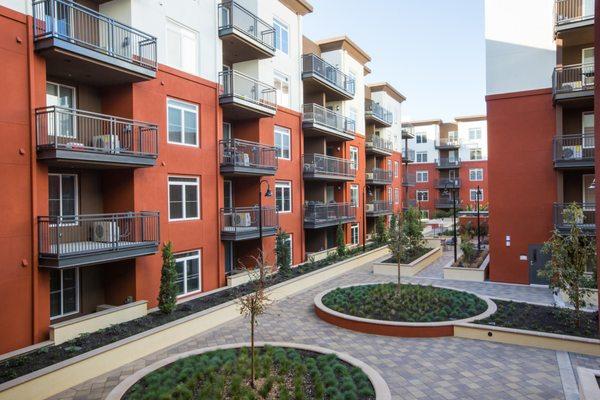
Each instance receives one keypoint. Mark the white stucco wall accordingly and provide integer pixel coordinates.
(467, 144)
(432, 131)
(520, 51)
(393, 133)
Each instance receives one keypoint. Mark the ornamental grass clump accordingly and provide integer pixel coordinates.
(413, 303)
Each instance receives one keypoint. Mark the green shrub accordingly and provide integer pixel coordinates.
(341, 241)
(167, 295)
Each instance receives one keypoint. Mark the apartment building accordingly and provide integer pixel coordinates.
(540, 104)
(445, 161)
(205, 124)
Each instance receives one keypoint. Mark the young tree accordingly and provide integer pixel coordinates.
(255, 304)
(570, 255)
(167, 295)
(397, 245)
(467, 248)
(413, 229)
(380, 230)
(341, 241)
(282, 253)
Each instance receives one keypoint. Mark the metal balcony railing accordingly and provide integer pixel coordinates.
(574, 148)
(233, 15)
(408, 155)
(378, 111)
(408, 130)
(244, 220)
(238, 85)
(379, 143)
(570, 11)
(447, 162)
(321, 164)
(311, 63)
(449, 183)
(331, 213)
(69, 21)
(573, 78)
(409, 179)
(447, 142)
(242, 153)
(84, 131)
(380, 207)
(86, 235)
(588, 222)
(316, 114)
(410, 203)
(380, 174)
(446, 202)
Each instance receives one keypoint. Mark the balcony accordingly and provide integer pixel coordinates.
(241, 223)
(376, 114)
(326, 168)
(243, 158)
(410, 203)
(71, 137)
(587, 223)
(379, 146)
(319, 215)
(447, 144)
(379, 176)
(574, 151)
(447, 183)
(446, 203)
(573, 82)
(320, 121)
(447, 163)
(573, 14)
(409, 180)
(408, 156)
(379, 208)
(244, 36)
(68, 241)
(82, 45)
(243, 97)
(319, 76)
(408, 131)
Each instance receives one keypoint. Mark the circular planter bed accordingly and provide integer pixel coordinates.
(283, 371)
(419, 311)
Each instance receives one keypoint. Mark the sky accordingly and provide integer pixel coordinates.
(432, 51)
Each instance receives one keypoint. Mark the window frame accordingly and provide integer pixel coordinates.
(284, 132)
(181, 29)
(290, 240)
(181, 108)
(353, 228)
(282, 77)
(355, 189)
(75, 200)
(471, 191)
(178, 258)
(198, 196)
(278, 23)
(283, 185)
(396, 196)
(354, 158)
(421, 137)
(396, 169)
(478, 134)
(425, 173)
(480, 154)
(421, 192)
(61, 291)
(421, 153)
(476, 171)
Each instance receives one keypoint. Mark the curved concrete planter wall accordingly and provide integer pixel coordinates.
(394, 328)
(382, 391)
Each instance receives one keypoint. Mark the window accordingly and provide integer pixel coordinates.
(421, 157)
(425, 214)
(476, 174)
(389, 194)
(64, 292)
(61, 96)
(396, 196)
(353, 114)
(354, 195)
(422, 176)
(475, 134)
(354, 232)
(184, 200)
(182, 48)
(423, 195)
(283, 196)
(475, 154)
(182, 122)
(290, 244)
(396, 169)
(282, 142)
(281, 36)
(228, 194)
(389, 165)
(354, 157)
(62, 195)
(473, 194)
(189, 277)
(227, 131)
(282, 85)
(421, 137)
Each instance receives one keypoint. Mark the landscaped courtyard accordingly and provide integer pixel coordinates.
(419, 368)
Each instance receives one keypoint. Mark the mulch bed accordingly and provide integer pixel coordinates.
(21, 365)
(480, 255)
(409, 256)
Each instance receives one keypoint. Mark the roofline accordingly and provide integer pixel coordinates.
(301, 7)
(398, 96)
(345, 39)
(469, 118)
(426, 122)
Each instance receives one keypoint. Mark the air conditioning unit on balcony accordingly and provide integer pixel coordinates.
(107, 142)
(243, 159)
(572, 152)
(106, 231)
(370, 176)
(370, 207)
(242, 219)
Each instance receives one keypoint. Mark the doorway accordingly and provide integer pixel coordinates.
(537, 261)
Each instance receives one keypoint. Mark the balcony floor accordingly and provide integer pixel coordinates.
(314, 83)
(238, 108)
(78, 63)
(317, 176)
(314, 129)
(324, 223)
(377, 151)
(87, 159)
(241, 170)
(240, 47)
(238, 234)
(371, 118)
(371, 214)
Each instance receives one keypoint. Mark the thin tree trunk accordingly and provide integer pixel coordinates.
(252, 350)
(399, 269)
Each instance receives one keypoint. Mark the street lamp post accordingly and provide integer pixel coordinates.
(478, 220)
(260, 222)
(453, 198)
